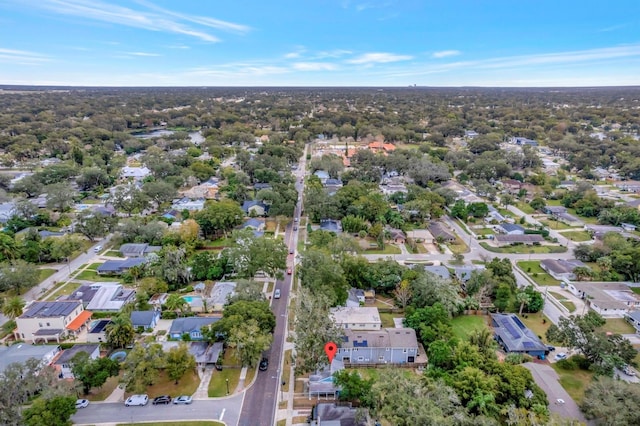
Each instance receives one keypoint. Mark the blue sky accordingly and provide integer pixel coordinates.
(320, 42)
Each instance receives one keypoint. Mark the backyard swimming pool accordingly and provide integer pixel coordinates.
(191, 299)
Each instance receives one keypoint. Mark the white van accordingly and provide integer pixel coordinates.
(136, 400)
(276, 294)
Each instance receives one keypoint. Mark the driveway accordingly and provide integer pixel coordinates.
(547, 379)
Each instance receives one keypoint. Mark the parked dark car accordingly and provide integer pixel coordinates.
(264, 364)
(163, 399)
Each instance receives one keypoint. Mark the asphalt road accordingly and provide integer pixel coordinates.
(224, 409)
(261, 399)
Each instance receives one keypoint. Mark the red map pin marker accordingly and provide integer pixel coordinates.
(330, 349)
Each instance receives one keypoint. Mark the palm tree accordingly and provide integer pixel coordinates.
(176, 303)
(523, 298)
(13, 307)
(483, 338)
(120, 331)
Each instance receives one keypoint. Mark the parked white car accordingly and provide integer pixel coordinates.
(140, 400)
(560, 356)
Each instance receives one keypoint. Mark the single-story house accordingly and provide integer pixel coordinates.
(187, 203)
(331, 414)
(43, 233)
(633, 318)
(384, 346)
(470, 134)
(322, 175)
(45, 321)
(117, 267)
(515, 337)
(261, 185)
(203, 352)
(138, 250)
(220, 294)
(420, 236)
(609, 299)
(439, 270)
(561, 269)
(136, 173)
(628, 185)
(322, 382)
(390, 189)
(440, 232)
(22, 352)
(357, 317)
(554, 210)
(355, 298)
(397, 235)
(144, 319)
(191, 326)
(494, 215)
(254, 208)
(63, 362)
(97, 332)
(108, 296)
(568, 218)
(463, 273)
(158, 299)
(518, 140)
(505, 240)
(331, 225)
(598, 231)
(510, 229)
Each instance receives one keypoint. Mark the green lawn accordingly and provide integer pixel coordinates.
(577, 236)
(538, 323)
(101, 393)
(523, 249)
(89, 275)
(231, 371)
(564, 301)
(387, 319)
(113, 253)
(536, 273)
(46, 273)
(64, 290)
(165, 386)
(388, 249)
(618, 326)
(94, 266)
(458, 246)
(7, 328)
(223, 242)
(525, 207)
(463, 325)
(575, 382)
(555, 225)
(484, 231)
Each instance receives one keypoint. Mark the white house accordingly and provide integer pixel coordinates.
(136, 173)
(44, 321)
(609, 299)
(510, 229)
(357, 317)
(561, 269)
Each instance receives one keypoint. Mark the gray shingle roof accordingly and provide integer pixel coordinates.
(187, 325)
(515, 336)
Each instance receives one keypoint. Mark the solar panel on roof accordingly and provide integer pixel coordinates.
(510, 328)
(518, 322)
(362, 344)
(528, 345)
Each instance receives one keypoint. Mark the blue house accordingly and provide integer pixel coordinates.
(190, 325)
(515, 337)
(145, 319)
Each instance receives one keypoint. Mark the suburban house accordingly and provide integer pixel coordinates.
(98, 331)
(441, 233)
(191, 204)
(322, 175)
(106, 296)
(203, 352)
(494, 215)
(420, 236)
(44, 321)
(384, 346)
(202, 191)
(144, 319)
(505, 240)
(190, 326)
(515, 337)
(397, 236)
(510, 229)
(135, 173)
(439, 270)
(63, 362)
(257, 225)
(463, 273)
(355, 298)
(561, 269)
(43, 233)
(357, 317)
(523, 141)
(331, 225)
(220, 294)
(331, 414)
(390, 189)
(633, 318)
(470, 134)
(381, 147)
(118, 267)
(627, 185)
(254, 208)
(609, 299)
(322, 383)
(137, 250)
(158, 299)
(22, 352)
(598, 231)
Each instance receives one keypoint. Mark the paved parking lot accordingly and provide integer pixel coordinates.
(547, 379)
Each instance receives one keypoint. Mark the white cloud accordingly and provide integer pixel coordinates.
(298, 52)
(161, 20)
(379, 58)
(142, 54)
(445, 53)
(22, 57)
(314, 66)
(335, 53)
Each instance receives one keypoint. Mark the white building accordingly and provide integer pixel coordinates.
(357, 318)
(44, 321)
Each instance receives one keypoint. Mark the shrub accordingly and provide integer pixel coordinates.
(169, 315)
(567, 364)
(514, 359)
(581, 361)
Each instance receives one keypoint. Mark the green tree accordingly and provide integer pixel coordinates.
(319, 273)
(353, 387)
(251, 254)
(129, 199)
(249, 341)
(60, 196)
(611, 402)
(93, 224)
(119, 332)
(18, 275)
(219, 218)
(314, 327)
(159, 191)
(142, 366)
(93, 178)
(538, 203)
(176, 303)
(478, 209)
(179, 361)
(8, 247)
(56, 411)
(523, 298)
(93, 373)
(13, 307)
(172, 266)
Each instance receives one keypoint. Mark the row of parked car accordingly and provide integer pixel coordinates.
(142, 400)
